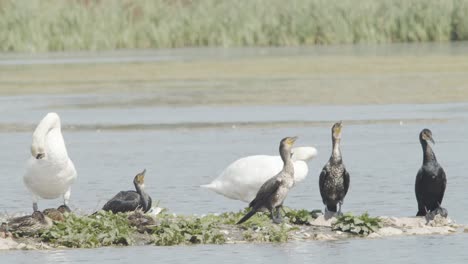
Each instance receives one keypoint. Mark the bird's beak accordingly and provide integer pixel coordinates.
(292, 140)
(40, 155)
(432, 140)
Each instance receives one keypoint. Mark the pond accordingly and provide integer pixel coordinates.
(185, 145)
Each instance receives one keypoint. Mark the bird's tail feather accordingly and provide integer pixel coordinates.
(211, 186)
(331, 208)
(247, 216)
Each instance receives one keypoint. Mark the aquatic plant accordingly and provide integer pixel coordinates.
(211, 229)
(101, 229)
(54, 25)
(260, 228)
(359, 225)
(301, 217)
(175, 230)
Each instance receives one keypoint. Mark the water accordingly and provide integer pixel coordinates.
(185, 146)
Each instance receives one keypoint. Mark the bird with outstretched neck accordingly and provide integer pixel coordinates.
(274, 191)
(334, 179)
(431, 180)
(127, 201)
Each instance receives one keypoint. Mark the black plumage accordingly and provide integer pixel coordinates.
(334, 179)
(431, 180)
(127, 201)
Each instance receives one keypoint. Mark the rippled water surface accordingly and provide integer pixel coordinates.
(183, 147)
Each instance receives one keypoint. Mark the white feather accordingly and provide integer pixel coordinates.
(52, 175)
(242, 179)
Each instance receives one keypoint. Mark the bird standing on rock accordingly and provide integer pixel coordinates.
(274, 191)
(431, 180)
(334, 179)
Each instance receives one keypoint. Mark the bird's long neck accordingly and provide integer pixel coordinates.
(48, 137)
(428, 153)
(143, 197)
(288, 166)
(336, 152)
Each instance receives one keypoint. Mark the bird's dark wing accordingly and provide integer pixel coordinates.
(346, 181)
(418, 188)
(323, 176)
(441, 174)
(265, 192)
(150, 203)
(124, 201)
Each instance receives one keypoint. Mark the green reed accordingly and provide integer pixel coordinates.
(64, 25)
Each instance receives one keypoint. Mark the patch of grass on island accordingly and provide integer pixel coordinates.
(101, 229)
(359, 225)
(166, 229)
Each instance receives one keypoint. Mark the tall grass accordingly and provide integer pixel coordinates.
(55, 25)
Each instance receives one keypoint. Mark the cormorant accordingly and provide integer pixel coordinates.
(273, 192)
(334, 179)
(126, 201)
(430, 180)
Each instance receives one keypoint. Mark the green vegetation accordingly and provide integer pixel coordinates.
(211, 229)
(106, 229)
(56, 25)
(301, 217)
(358, 225)
(101, 229)
(175, 230)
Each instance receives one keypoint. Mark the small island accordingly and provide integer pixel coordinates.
(167, 229)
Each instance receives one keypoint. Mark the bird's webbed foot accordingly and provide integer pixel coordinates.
(339, 213)
(277, 218)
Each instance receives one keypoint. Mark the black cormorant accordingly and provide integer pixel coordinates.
(126, 201)
(273, 192)
(334, 179)
(430, 180)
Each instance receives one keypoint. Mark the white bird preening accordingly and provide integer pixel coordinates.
(50, 172)
(242, 179)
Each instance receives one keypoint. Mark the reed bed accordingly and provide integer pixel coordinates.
(66, 25)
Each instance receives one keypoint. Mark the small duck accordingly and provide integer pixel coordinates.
(57, 214)
(29, 225)
(141, 221)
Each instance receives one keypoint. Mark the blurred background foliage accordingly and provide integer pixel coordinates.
(66, 25)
